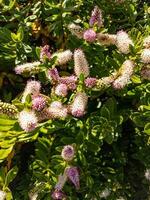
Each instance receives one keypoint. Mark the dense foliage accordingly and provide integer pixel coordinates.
(74, 99)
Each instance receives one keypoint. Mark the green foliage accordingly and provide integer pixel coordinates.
(112, 140)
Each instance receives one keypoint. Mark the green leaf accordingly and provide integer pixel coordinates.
(11, 175)
(147, 128)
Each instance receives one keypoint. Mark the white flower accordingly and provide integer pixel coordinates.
(145, 56)
(2, 195)
(146, 42)
(27, 120)
(123, 42)
(105, 193)
(27, 67)
(63, 57)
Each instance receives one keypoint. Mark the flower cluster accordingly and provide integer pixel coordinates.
(121, 39)
(145, 57)
(70, 173)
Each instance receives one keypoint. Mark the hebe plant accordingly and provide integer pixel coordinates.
(84, 115)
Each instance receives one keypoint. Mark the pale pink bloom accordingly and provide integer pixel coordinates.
(61, 90)
(126, 73)
(2, 195)
(80, 63)
(38, 102)
(70, 81)
(147, 174)
(27, 120)
(73, 175)
(45, 54)
(68, 152)
(63, 57)
(56, 104)
(146, 42)
(90, 82)
(96, 17)
(76, 30)
(79, 104)
(123, 42)
(27, 68)
(57, 113)
(89, 35)
(145, 72)
(145, 56)
(53, 74)
(106, 39)
(58, 195)
(32, 88)
(61, 181)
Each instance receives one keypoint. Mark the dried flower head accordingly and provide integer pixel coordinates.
(79, 104)
(123, 42)
(31, 68)
(146, 42)
(68, 152)
(8, 109)
(27, 120)
(73, 175)
(58, 195)
(80, 63)
(145, 56)
(145, 72)
(61, 90)
(106, 39)
(63, 57)
(96, 17)
(90, 82)
(76, 30)
(89, 35)
(38, 103)
(45, 54)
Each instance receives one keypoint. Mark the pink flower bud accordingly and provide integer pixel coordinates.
(90, 82)
(45, 53)
(58, 195)
(38, 103)
(61, 90)
(73, 175)
(96, 17)
(89, 35)
(68, 153)
(80, 63)
(27, 120)
(53, 74)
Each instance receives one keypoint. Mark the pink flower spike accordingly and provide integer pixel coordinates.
(89, 35)
(70, 81)
(96, 17)
(38, 103)
(73, 175)
(61, 90)
(53, 74)
(90, 82)
(58, 195)
(45, 53)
